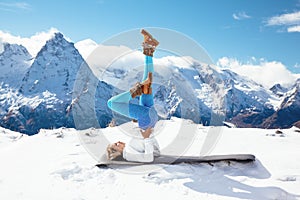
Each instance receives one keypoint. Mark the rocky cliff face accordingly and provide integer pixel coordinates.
(278, 90)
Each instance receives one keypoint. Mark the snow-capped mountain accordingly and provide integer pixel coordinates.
(243, 94)
(189, 89)
(247, 103)
(289, 110)
(44, 99)
(14, 63)
(54, 69)
(60, 85)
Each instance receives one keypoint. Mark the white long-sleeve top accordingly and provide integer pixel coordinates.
(141, 150)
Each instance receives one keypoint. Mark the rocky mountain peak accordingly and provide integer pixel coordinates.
(54, 69)
(289, 111)
(278, 90)
(14, 62)
(14, 50)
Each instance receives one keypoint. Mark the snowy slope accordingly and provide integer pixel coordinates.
(243, 93)
(29, 114)
(54, 165)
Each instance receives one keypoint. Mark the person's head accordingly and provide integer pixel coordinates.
(115, 150)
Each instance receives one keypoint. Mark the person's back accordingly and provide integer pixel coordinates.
(141, 149)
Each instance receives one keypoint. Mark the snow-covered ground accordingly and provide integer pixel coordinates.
(55, 164)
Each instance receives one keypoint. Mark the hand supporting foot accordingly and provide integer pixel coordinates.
(142, 88)
(146, 85)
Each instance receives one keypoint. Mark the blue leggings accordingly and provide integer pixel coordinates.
(143, 112)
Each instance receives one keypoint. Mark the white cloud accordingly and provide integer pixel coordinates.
(263, 72)
(102, 57)
(15, 6)
(294, 29)
(289, 20)
(226, 62)
(285, 19)
(86, 47)
(33, 44)
(240, 16)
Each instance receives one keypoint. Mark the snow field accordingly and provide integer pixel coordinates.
(54, 165)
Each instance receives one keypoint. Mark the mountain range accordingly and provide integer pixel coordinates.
(57, 88)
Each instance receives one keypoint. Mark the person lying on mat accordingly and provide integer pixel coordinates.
(140, 150)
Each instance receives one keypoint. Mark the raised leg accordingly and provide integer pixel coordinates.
(120, 103)
(146, 116)
(144, 113)
(146, 98)
(149, 46)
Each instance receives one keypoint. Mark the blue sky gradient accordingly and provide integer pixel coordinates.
(242, 29)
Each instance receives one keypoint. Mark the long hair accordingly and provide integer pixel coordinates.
(112, 153)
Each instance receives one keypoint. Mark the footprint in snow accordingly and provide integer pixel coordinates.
(164, 177)
(68, 173)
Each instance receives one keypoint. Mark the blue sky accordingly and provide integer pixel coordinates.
(240, 29)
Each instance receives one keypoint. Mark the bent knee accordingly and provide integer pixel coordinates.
(109, 103)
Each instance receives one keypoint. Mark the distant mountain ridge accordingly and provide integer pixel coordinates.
(59, 85)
